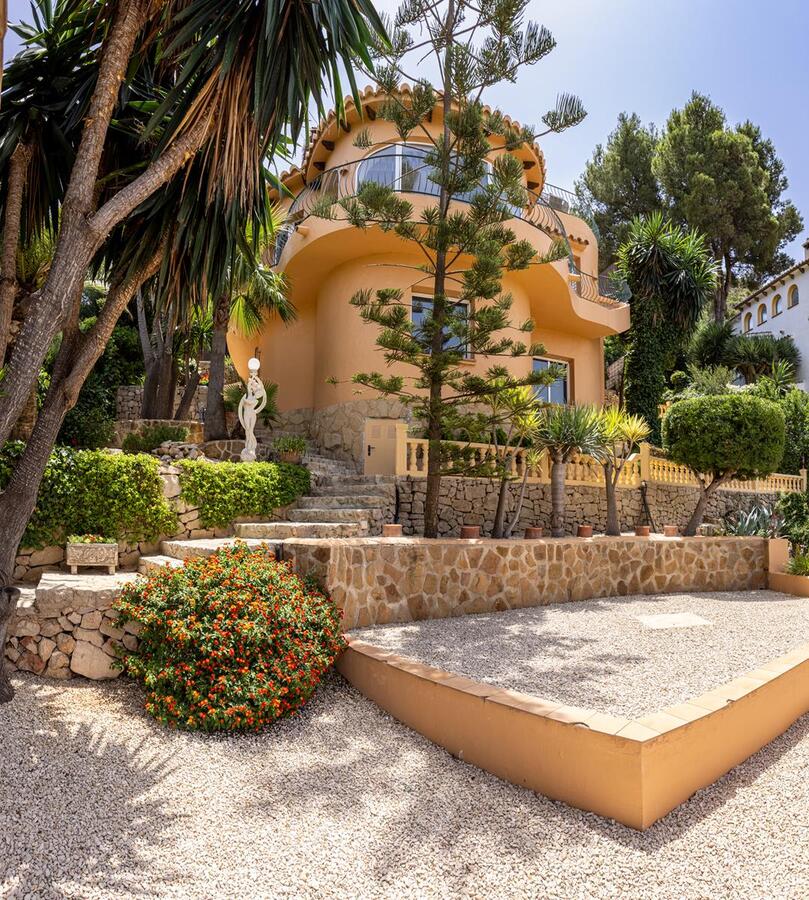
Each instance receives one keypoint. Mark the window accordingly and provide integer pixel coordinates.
(793, 298)
(558, 392)
(776, 305)
(421, 309)
(748, 321)
(762, 314)
(403, 168)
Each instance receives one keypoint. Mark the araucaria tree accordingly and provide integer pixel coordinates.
(93, 148)
(671, 274)
(723, 437)
(459, 246)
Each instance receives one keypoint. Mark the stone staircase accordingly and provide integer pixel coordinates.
(342, 504)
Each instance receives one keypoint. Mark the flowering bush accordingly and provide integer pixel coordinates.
(229, 642)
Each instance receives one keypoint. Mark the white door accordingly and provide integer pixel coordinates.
(379, 447)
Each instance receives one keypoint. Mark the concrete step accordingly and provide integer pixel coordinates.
(340, 514)
(148, 564)
(352, 485)
(279, 531)
(203, 546)
(336, 501)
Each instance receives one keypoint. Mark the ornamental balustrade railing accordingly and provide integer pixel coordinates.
(643, 466)
(541, 212)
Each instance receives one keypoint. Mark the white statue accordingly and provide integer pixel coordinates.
(250, 406)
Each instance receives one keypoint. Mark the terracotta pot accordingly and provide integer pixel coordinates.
(470, 531)
(584, 531)
(642, 531)
(290, 456)
(671, 531)
(532, 532)
(391, 531)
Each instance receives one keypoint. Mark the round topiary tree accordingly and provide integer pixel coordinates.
(229, 642)
(723, 437)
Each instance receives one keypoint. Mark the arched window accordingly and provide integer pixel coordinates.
(776, 305)
(762, 314)
(793, 298)
(748, 321)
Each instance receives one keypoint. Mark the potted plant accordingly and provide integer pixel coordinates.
(290, 448)
(91, 550)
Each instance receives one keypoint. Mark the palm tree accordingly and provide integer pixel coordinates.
(622, 433)
(253, 291)
(756, 355)
(565, 431)
(672, 274)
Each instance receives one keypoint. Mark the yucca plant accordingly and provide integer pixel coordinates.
(622, 433)
(565, 431)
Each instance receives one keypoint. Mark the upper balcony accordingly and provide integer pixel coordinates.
(405, 171)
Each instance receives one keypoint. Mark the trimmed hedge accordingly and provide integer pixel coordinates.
(725, 433)
(230, 642)
(93, 492)
(226, 491)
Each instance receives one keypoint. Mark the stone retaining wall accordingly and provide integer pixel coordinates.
(123, 427)
(473, 501)
(70, 628)
(129, 401)
(378, 580)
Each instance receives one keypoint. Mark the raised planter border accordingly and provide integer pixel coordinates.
(632, 770)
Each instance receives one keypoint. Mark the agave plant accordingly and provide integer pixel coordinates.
(761, 520)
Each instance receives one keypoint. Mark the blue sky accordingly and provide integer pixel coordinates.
(633, 55)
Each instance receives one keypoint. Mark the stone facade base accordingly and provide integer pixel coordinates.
(380, 580)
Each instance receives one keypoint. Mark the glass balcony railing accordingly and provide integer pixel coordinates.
(408, 172)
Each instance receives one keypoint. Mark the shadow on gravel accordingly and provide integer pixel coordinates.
(77, 808)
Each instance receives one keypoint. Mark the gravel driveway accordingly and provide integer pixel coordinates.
(97, 801)
(603, 654)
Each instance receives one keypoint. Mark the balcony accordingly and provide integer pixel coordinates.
(407, 172)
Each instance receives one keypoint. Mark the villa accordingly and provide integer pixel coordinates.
(326, 261)
(775, 309)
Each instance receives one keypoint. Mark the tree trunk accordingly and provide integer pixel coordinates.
(613, 522)
(183, 412)
(8, 603)
(215, 423)
(25, 423)
(705, 495)
(720, 305)
(500, 514)
(558, 470)
(15, 188)
(520, 500)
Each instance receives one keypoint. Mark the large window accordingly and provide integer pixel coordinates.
(776, 305)
(403, 167)
(762, 314)
(748, 321)
(559, 391)
(422, 308)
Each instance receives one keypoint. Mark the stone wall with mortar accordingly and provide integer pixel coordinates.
(70, 628)
(129, 401)
(473, 501)
(123, 427)
(31, 564)
(380, 580)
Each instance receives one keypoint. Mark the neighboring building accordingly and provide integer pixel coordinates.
(776, 308)
(327, 262)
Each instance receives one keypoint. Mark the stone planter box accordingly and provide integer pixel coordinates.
(103, 555)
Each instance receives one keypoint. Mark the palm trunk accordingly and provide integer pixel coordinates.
(27, 419)
(558, 470)
(613, 523)
(500, 514)
(215, 423)
(15, 188)
(183, 412)
(520, 500)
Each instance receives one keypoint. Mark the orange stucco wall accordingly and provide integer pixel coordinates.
(326, 262)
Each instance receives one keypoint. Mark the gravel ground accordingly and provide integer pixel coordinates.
(97, 801)
(598, 655)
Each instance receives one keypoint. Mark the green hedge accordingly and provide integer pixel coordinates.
(227, 491)
(93, 492)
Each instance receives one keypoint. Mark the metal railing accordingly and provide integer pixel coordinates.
(542, 212)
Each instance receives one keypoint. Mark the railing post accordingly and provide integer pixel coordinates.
(645, 462)
(803, 480)
(400, 466)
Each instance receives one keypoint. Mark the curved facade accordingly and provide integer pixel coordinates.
(327, 261)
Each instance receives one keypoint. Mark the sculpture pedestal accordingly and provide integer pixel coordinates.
(247, 455)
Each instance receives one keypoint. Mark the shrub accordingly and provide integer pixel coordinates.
(761, 520)
(229, 642)
(798, 565)
(152, 436)
(794, 510)
(289, 443)
(93, 492)
(723, 437)
(227, 491)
